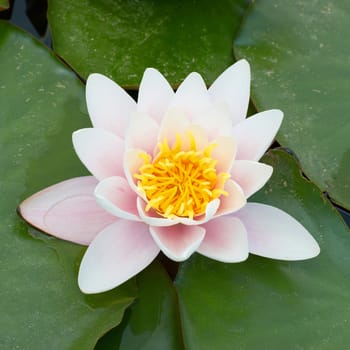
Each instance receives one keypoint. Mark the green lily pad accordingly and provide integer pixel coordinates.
(268, 304)
(122, 38)
(300, 62)
(4, 5)
(152, 322)
(42, 102)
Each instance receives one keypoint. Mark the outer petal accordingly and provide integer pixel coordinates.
(233, 87)
(67, 210)
(225, 240)
(178, 242)
(100, 151)
(250, 175)
(116, 197)
(155, 94)
(275, 234)
(118, 253)
(255, 134)
(142, 133)
(192, 96)
(108, 104)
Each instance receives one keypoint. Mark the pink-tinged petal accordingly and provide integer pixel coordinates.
(199, 135)
(234, 201)
(225, 240)
(273, 233)
(255, 134)
(108, 104)
(233, 86)
(192, 96)
(216, 121)
(142, 133)
(178, 242)
(152, 218)
(77, 219)
(175, 122)
(210, 211)
(250, 175)
(100, 151)
(224, 153)
(116, 197)
(118, 253)
(132, 164)
(155, 94)
(67, 210)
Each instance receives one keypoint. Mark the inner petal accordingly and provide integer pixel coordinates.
(181, 179)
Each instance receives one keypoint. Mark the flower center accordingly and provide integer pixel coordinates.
(180, 183)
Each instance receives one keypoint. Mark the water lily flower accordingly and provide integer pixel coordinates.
(170, 173)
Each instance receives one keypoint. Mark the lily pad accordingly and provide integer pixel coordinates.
(300, 62)
(42, 102)
(152, 322)
(122, 38)
(269, 304)
(4, 5)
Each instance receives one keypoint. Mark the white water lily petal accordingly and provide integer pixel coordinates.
(216, 121)
(108, 104)
(142, 133)
(132, 163)
(67, 210)
(155, 94)
(178, 242)
(199, 135)
(224, 153)
(210, 211)
(234, 201)
(118, 253)
(225, 240)
(192, 97)
(100, 151)
(233, 86)
(174, 122)
(117, 198)
(250, 175)
(152, 218)
(273, 233)
(255, 134)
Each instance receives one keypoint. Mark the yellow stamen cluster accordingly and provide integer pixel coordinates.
(180, 183)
